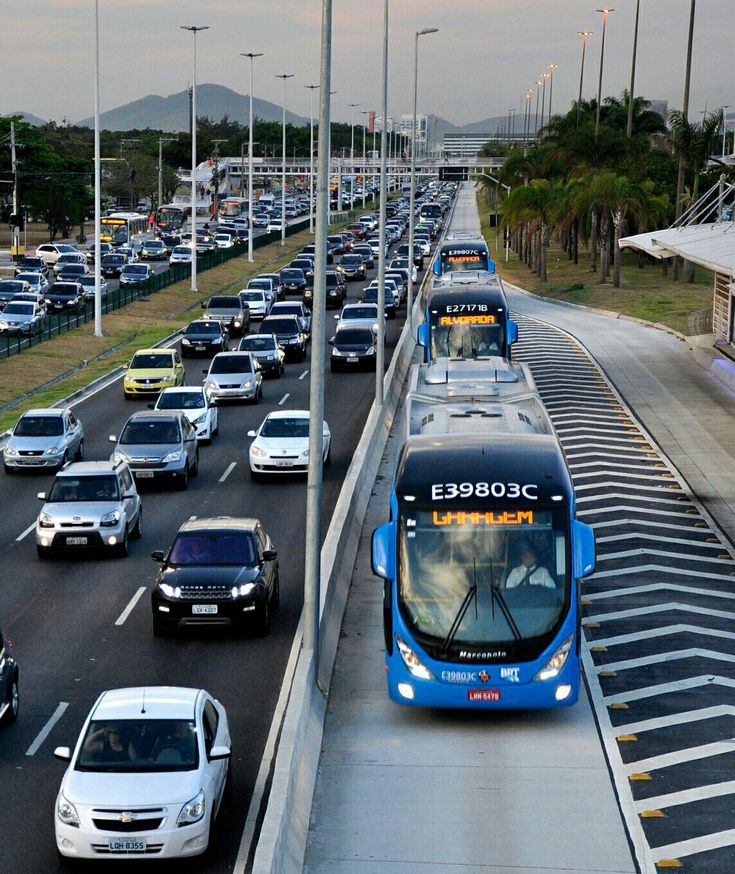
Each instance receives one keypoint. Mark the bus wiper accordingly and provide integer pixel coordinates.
(463, 607)
(497, 595)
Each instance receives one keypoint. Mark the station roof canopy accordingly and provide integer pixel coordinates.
(710, 245)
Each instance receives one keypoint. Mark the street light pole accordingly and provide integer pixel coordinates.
(250, 56)
(380, 350)
(605, 13)
(584, 34)
(97, 179)
(161, 141)
(311, 156)
(725, 107)
(544, 77)
(312, 559)
(412, 196)
(631, 92)
(535, 130)
(284, 76)
(363, 113)
(551, 68)
(194, 30)
(685, 110)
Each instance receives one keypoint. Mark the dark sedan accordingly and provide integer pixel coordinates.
(293, 280)
(204, 337)
(63, 297)
(352, 347)
(112, 265)
(8, 682)
(218, 571)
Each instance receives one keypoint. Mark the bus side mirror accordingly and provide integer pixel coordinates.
(422, 334)
(383, 551)
(512, 328)
(584, 550)
(490, 265)
(437, 266)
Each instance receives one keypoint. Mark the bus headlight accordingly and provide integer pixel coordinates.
(412, 661)
(556, 663)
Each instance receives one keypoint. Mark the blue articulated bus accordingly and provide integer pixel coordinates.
(465, 320)
(481, 562)
(461, 256)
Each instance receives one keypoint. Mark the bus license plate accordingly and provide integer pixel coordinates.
(76, 541)
(203, 609)
(483, 695)
(127, 845)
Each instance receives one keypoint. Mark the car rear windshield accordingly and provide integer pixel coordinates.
(356, 312)
(181, 400)
(84, 488)
(213, 548)
(231, 364)
(229, 302)
(39, 426)
(151, 361)
(203, 328)
(150, 431)
(294, 426)
(182, 250)
(354, 335)
(143, 745)
(281, 326)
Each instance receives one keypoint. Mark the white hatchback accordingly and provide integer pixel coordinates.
(146, 777)
(196, 404)
(281, 444)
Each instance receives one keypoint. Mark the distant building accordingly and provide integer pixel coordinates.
(379, 125)
(405, 126)
(660, 106)
(463, 145)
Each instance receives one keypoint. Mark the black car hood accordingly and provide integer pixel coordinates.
(212, 575)
(203, 337)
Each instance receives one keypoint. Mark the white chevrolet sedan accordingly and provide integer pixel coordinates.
(196, 404)
(281, 444)
(146, 777)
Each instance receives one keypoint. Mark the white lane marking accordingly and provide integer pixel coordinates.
(230, 467)
(129, 609)
(303, 374)
(284, 399)
(46, 730)
(26, 532)
(268, 754)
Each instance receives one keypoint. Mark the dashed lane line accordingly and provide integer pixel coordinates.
(25, 533)
(46, 730)
(129, 609)
(228, 470)
(284, 399)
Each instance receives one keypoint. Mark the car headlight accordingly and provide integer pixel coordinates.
(193, 810)
(242, 591)
(248, 383)
(45, 521)
(11, 452)
(109, 520)
(174, 455)
(53, 450)
(210, 385)
(257, 452)
(370, 350)
(185, 342)
(201, 419)
(237, 323)
(555, 664)
(117, 455)
(414, 664)
(66, 812)
(305, 453)
(169, 591)
(168, 378)
(270, 357)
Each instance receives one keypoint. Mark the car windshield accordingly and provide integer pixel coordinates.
(32, 278)
(182, 250)
(224, 303)
(282, 326)
(150, 431)
(260, 283)
(151, 361)
(293, 426)
(213, 548)
(142, 745)
(293, 275)
(39, 426)
(11, 286)
(181, 400)
(354, 336)
(18, 309)
(64, 289)
(137, 269)
(69, 489)
(366, 312)
(257, 344)
(231, 364)
(153, 244)
(203, 328)
(352, 260)
(114, 259)
(254, 296)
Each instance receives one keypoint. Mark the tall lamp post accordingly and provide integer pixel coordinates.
(538, 92)
(544, 77)
(725, 107)
(380, 350)
(631, 92)
(585, 34)
(551, 68)
(194, 31)
(364, 113)
(311, 156)
(604, 13)
(412, 196)
(161, 141)
(284, 77)
(251, 57)
(97, 179)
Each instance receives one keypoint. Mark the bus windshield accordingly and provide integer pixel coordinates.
(492, 577)
(463, 259)
(466, 336)
(114, 231)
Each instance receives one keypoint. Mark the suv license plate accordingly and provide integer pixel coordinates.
(76, 541)
(144, 474)
(126, 845)
(203, 609)
(483, 695)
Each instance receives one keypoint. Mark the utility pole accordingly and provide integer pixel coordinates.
(14, 166)
(161, 141)
(631, 92)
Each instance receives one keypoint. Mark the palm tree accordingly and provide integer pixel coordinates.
(533, 205)
(694, 141)
(645, 121)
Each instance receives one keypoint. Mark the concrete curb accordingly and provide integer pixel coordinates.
(283, 836)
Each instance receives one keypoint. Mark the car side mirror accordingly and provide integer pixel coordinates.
(336, 317)
(41, 496)
(158, 555)
(63, 754)
(251, 433)
(218, 753)
(381, 554)
(205, 371)
(112, 438)
(204, 306)
(270, 554)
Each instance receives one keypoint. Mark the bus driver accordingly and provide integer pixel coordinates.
(529, 572)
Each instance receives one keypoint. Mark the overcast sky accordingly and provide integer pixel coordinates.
(485, 56)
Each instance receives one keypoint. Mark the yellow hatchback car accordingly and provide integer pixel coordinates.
(150, 371)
